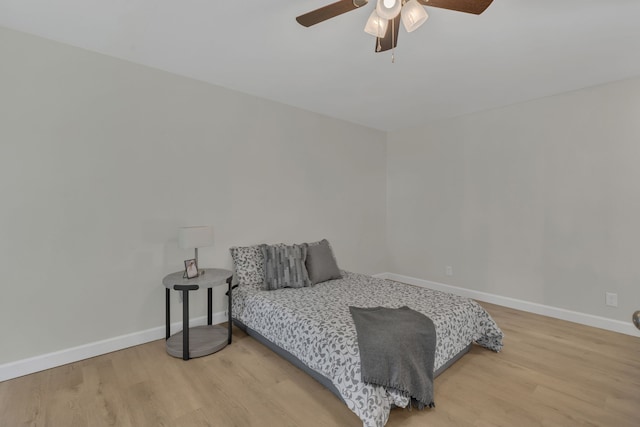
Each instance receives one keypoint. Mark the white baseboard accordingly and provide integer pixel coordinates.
(531, 307)
(51, 360)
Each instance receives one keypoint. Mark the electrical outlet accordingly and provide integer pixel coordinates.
(449, 270)
(611, 299)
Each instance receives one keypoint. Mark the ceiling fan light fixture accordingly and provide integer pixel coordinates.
(413, 15)
(376, 26)
(388, 9)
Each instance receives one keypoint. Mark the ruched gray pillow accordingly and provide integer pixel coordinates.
(284, 267)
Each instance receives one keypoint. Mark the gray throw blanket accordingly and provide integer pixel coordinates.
(397, 350)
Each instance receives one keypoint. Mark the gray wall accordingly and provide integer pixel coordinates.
(102, 160)
(538, 201)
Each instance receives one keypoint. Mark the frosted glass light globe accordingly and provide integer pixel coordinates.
(388, 9)
(413, 15)
(376, 26)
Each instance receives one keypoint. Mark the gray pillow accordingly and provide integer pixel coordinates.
(248, 263)
(321, 263)
(284, 267)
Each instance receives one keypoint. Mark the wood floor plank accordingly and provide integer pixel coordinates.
(550, 373)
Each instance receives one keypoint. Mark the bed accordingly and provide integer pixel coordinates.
(312, 327)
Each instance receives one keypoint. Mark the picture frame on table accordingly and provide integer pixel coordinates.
(190, 268)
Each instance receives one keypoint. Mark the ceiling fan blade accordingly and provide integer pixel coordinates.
(389, 41)
(329, 11)
(469, 6)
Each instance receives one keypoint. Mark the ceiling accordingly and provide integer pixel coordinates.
(453, 65)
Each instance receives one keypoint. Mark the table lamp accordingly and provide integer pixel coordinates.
(195, 237)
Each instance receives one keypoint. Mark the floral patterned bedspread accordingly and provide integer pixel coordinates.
(315, 325)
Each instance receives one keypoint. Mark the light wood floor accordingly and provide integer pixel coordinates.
(550, 373)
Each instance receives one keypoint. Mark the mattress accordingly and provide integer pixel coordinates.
(314, 325)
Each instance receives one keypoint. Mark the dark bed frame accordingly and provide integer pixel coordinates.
(314, 374)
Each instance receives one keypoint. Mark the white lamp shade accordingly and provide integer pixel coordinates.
(413, 15)
(376, 26)
(195, 237)
(388, 9)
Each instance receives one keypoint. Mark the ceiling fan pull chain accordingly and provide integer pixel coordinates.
(379, 47)
(393, 41)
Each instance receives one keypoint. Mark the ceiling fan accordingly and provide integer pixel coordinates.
(384, 21)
